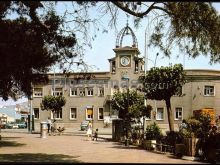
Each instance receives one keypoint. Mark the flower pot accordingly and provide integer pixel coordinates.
(190, 144)
(150, 144)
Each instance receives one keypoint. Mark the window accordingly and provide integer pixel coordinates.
(89, 91)
(136, 66)
(38, 92)
(73, 91)
(160, 113)
(58, 114)
(73, 113)
(178, 113)
(57, 92)
(36, 113)
(113, 67)
(81, 92)
(209, 91)
(101, 114)
(89, 113)
(101, 92)
(142, 67)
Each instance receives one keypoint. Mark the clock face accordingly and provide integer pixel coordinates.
(125, 61)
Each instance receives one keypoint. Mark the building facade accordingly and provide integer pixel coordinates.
(88, 95)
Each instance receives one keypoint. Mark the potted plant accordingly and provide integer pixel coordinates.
(152, 135)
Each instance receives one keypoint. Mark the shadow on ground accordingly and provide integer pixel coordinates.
(38, 157)
(10, 144)
(5, 138)
(122, 146)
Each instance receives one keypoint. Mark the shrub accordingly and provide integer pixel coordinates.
(153, 132)
(173, 138)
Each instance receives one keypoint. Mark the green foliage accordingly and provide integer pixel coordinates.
(164, 82)
(198, 126)
(191, 26)
(53, 103)
(120, 102)
(173, 137)
(153, 132)
(197, 23)
(29, 45)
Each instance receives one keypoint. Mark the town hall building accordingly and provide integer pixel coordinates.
(88, 95)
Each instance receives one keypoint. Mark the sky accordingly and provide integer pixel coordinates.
(104, 43)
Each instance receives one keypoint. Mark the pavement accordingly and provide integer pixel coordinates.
(19, 146)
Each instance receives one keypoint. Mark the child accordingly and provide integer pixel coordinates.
(96, 134)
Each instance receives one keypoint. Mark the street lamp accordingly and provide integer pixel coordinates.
(31, 122)
(145, 61)
(126, 77)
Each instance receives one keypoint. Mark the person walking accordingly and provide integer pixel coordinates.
(89, 130)
(49, 123)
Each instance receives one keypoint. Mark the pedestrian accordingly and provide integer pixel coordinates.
(89, 130)
(96, 134)
(49, 122)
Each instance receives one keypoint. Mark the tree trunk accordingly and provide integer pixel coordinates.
(170, 115)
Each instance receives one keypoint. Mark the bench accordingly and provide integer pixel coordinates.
(163, 148)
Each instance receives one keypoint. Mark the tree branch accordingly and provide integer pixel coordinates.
(141, 14)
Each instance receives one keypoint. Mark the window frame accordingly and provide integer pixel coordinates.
(53, 94)
(38, 95)
(209, 90)
(60, 118)
(83, 92)
(157, 113)
(38, 113)
(76, 90)
(99, 113)
(71, 113)
(87, 113)
(99, 93)
(178, 113)
(90, 89)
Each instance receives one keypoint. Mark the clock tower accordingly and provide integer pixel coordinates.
(126, 61)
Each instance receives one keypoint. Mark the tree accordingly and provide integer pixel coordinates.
(53, 103)
(192, 26)
(130, 105)
(162, 83)
(29, 45)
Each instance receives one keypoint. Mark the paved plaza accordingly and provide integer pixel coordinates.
(20, 147)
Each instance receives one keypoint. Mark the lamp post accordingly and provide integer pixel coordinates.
(145, 61)
(31, 126)
(126, 77)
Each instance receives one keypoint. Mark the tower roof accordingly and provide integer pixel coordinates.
(126, 31)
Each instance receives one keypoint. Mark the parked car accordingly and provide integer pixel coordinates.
(22, 125)
(15, 126)
(8, 126)
(84, 125)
